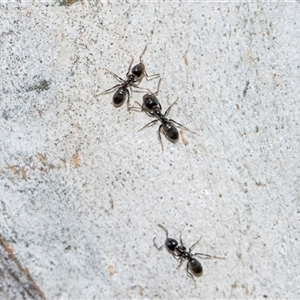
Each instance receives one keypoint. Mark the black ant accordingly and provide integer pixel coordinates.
(179, 252)
(133, 79)
(151, 106)
(167, 126)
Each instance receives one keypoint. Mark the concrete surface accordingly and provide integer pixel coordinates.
(82, 192)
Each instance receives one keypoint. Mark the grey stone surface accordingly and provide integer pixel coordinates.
(82, 192)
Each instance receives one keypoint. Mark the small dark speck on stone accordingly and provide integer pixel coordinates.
(5, 115)
(43, 85)
(67, 2)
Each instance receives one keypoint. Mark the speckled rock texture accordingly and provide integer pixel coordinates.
(82, 191)
(15, 281)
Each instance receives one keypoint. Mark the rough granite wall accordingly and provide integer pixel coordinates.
(82, 192)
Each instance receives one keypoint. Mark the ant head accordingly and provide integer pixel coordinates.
(150, 102)
(138, 70)
(147, 98)
(171, 244)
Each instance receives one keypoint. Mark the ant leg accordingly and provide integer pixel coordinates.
(141, 88)
(170, 107)
(155, 245)
(191, 275)
(181, 261)
(108, 91)
(128, 99)
(158, 86)
(154, 76)
(164, 229)
(149, 124)
(180, 125)
(143, 53)
(129, 67)
(193, 246)
(115, 75)
(146, 75)
(134, 108)
(206, 256)
(181, 243)
(160, 129)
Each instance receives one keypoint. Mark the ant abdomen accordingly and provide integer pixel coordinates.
(120, 96)
(170, 132)
(195, 267)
